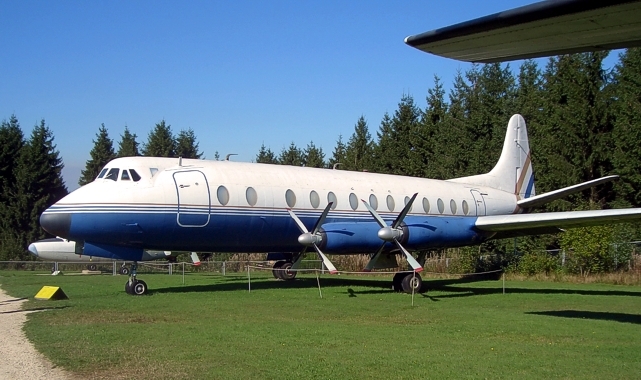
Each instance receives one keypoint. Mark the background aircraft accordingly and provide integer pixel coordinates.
(537, 30)
(62, 250)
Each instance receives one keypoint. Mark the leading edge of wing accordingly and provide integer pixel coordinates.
(541, 29)
(567, 219)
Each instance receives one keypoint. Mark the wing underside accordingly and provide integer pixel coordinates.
(537, 30)
(549, 222)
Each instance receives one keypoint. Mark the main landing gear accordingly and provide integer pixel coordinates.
(282, 271)
(134, 286)
(407, 282)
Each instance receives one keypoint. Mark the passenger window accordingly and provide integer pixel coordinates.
(373, 201)
(153, 171)
(102, 173)
(124, 176)
(314, 199)
(466, 208)
(113, 174)
(290, 198)
(426, 205)
(252, 196)
(406, 201)
(331, 197)
(390, 203)
(440, 205)
(134, 175)
(353, 201)
(453, 206)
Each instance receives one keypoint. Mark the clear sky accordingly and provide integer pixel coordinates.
(239, 73)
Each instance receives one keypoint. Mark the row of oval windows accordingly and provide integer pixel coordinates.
(290, 197)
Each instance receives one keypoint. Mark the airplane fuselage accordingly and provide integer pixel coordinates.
(223, 206)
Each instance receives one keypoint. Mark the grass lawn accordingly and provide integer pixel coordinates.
(213, 328)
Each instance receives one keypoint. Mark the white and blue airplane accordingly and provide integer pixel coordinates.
(145, 203)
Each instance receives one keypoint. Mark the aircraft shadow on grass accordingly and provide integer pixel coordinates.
(454, 287)
(34, 309)
(596, 315)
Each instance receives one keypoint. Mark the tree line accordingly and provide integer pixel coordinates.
(583, 123)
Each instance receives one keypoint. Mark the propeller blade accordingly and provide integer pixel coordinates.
(416, 267)
(321, 220)
(406, 209)
(378, 218)
(372, 262)
(300, 224)
(328, 264)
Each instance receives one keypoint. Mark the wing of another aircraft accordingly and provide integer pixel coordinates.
(537, 30)
(525, 223)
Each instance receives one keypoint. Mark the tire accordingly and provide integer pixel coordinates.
(396, 282)
(286, 274)
(412, 280)
(92, 267)
(128, 287)
(139, 288)
(276, 271)
(124, 271)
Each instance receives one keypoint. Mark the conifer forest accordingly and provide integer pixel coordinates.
(584, 122)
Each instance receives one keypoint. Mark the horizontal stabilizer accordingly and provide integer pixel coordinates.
(568, 219)
(541, 199)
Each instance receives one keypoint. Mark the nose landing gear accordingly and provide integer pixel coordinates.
(134, 286)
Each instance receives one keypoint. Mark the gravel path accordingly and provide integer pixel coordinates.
(18, 358)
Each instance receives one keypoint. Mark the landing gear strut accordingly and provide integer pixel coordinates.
(282, 271)
(134, 286)
(405, 282)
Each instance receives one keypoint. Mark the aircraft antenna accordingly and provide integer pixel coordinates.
(229, 155)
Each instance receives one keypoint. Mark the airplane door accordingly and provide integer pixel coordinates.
(479, 201)
(193, 198)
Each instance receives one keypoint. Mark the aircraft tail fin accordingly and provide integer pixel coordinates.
(513, 172)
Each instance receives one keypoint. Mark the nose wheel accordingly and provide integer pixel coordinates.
(134, 286)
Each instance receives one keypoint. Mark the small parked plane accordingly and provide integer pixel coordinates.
(139, 203)
(62, 250)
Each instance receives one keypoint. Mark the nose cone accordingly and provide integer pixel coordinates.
(32, 248)
(57, 224)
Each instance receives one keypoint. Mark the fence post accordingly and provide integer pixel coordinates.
(224, 262)
(114, 268)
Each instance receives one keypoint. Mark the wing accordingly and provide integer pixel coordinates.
(526, 224)
(537, 30)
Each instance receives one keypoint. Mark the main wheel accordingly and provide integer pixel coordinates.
(276, 270)
(92, 267)
(412, 281)
(124, 271)
(139, 288)
(287, 274)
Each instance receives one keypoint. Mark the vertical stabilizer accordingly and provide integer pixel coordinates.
(513, 172)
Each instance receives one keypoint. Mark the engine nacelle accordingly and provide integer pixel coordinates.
(427, 232)
(345, 238)
(111, 251)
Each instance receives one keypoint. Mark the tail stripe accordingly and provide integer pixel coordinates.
(524, 170)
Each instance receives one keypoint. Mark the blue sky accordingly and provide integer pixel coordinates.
(239, 73)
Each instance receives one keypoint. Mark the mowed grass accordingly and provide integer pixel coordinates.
(213, 328)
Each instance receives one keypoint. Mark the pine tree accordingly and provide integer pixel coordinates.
(291, 156)
(186, 145)
(160, 142)
(11, 142)
(338, 156)
(383, 149)
(313, 157)
(358, 153)
(627, 127)
(423, 157)
(266, 156)
(101, 154)
(39, 184)
(128, 146)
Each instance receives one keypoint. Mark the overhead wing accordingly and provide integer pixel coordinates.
(542, 199)
(523, 224)
(538, 30)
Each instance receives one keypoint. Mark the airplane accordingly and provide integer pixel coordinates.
(150, 203)
(62, 250)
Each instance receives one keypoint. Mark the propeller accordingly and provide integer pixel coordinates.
(392, 234)
(314, 238)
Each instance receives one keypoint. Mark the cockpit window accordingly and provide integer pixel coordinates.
(134, 175)
(102, 173)
(112, 174)
(125, 175)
